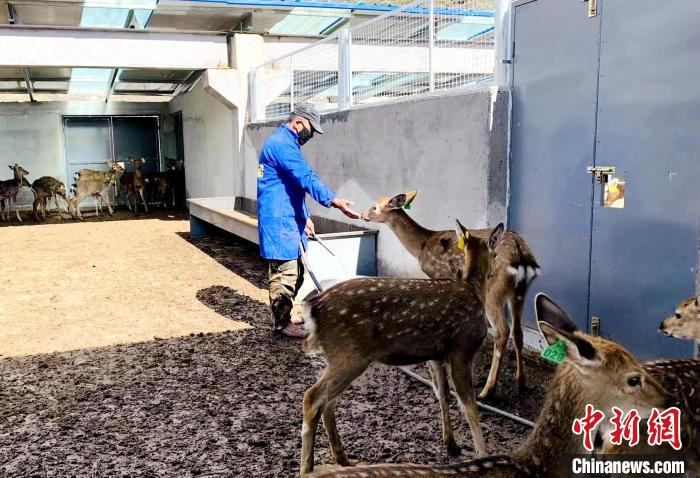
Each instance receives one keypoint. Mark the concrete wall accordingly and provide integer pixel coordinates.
(210, 131)
(32, 135)
(453, 148)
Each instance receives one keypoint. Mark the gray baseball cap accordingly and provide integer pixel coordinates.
(310, 113)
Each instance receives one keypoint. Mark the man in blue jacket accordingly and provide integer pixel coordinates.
(284, 179)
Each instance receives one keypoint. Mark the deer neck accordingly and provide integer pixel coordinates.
(411, 234)
(548, 450)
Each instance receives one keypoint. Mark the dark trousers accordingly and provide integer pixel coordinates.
(284, 279)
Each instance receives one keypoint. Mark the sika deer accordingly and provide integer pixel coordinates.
(93, 183)
(9, 190)
(595, 371)
(514, 270)
(685, 323)
(166, 182)
(398, 322)
(44, 189)
(134, 183)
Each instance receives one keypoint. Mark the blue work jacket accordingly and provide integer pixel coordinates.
(284, 178)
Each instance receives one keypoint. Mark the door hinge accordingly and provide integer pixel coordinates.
(601, 173)
(592, 8)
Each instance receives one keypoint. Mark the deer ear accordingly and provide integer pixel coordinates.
(397, 202)
(556, 325)
(410, 196)
(462, 235)
(496, 236)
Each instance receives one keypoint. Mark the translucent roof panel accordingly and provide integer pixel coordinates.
(93, 80)
(468, 28)
(309, 22)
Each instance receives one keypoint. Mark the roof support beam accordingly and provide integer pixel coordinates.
(28, 46)
(28, 82)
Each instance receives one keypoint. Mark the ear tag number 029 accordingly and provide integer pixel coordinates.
(556, 352)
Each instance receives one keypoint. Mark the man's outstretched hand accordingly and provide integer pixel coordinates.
(344, 206)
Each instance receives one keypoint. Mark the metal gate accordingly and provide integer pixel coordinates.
(615, 90)
(92, 141)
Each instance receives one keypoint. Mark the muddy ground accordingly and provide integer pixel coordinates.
(222, 403)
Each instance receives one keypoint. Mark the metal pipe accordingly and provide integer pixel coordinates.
(498, 411)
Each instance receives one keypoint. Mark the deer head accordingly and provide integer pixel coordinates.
(609, 375)
(478, 253)
(18, 171)
(115, 167)
(685, 323)
(378, 211)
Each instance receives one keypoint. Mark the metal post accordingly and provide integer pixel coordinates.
(344, 70)
(291, 84)
(431, 46)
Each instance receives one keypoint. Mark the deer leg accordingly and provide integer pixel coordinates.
(460, 369)
(516, 312)
(442, 391)
(337, 449)
(17, 209)
(103, 195)
(334, 380)
(143, 199)
(497, 319)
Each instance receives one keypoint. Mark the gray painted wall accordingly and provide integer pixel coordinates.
(32, 135)
(210, 131)
(453, 148)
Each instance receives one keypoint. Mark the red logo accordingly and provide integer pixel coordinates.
(665, 427)
(585, 426)
(626, 427)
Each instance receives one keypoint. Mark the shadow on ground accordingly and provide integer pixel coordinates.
(121, 213)
(237, 255)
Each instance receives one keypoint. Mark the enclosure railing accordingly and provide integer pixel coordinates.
(423, 47)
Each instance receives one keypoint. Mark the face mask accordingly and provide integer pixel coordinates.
(304, 136)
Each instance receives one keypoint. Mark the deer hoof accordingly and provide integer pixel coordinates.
(343, 461)
(485, 393)
(452, 448)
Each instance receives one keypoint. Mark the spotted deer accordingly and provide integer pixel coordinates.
(595, 371)
(134, 183)
(515, 267)
(9, 190)
(685, 323)
(398, 321)
(44, 189)
(93, 183)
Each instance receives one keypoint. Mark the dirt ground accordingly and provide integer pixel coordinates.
(79, 284)
(220, 402)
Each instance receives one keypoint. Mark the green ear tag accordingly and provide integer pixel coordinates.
(407, 205)
(556, 352)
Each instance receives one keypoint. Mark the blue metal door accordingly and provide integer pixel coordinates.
(644, 255)
(555, 75)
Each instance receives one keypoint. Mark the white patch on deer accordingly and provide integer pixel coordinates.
(343, 312)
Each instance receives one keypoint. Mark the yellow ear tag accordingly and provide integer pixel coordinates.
(460, 243)
(261, 170)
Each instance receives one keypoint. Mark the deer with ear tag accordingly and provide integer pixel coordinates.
(439, 256)
(398, 321)
(594, 371)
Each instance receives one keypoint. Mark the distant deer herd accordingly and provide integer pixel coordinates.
(474, 274)
(161, 188)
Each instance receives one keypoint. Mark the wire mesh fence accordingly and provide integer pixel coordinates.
(425, 46)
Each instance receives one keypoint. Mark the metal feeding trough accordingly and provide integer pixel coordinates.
(354, 248)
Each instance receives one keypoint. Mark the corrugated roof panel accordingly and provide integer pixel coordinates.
(468, 28)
